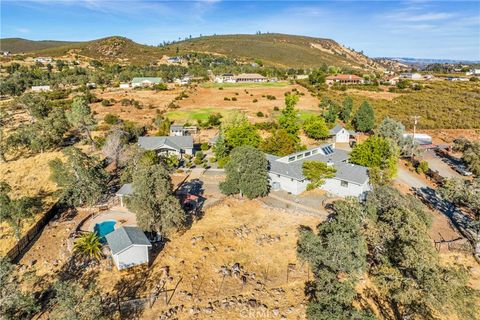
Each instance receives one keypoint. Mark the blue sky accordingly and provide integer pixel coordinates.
(421, 29)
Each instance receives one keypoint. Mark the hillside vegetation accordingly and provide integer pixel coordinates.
(269, 49)
(441, 104)
(278, 49)
(19, 45)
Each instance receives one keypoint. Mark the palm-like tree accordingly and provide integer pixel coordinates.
(89, 245)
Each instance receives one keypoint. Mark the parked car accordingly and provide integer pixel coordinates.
(463, 171)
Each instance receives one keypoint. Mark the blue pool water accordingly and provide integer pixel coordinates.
(104, 228)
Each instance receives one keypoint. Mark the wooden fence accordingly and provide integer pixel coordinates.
(19, 248)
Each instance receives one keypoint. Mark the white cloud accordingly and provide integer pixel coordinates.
(23, 30)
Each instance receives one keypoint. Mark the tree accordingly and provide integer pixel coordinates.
(14, 304)
(364, 119)
(153, 201)
(471, 153)
(288, 119)
(241, 134)
(88, 245)
(405, 265)
(36, 105)
(114, 148)
(80, 117)
(280, 143)
(163, 125)
(247, 173)
(317, 77)
(378, 154)
(316, 128)
(337, 256)
(73, 302)
(317, 172)
(463, 192)
(81, 178)
(16, 211)
(331, 114)
(391, 129)
(346, 110)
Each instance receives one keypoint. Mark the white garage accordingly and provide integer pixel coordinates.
(340, 134)
(129, 247)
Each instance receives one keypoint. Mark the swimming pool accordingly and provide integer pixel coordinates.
(104, 228)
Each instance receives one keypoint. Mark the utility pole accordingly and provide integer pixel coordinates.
(415, 122)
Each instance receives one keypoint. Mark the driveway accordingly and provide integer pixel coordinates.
(409, 178)
(441, 164)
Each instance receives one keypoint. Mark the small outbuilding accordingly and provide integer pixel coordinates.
(340, 134)
(129, 247)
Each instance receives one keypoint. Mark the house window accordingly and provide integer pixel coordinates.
(291, 159)
(344, 183)
(300, 156)
(314, 151)
(307, 154)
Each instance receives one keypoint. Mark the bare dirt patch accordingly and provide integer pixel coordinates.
(213, 98)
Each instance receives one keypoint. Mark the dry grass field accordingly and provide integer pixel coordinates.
(27, 177)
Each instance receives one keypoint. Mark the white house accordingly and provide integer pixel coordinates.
(145, 81)
(124, 85)
(340, 134)
(225, 78)
(43, 59)
(411, 76)
(129, 247)
(286, 173)
(181, 130)
(182, 81)
(177, 145)
(473, 72)
(41, 88)
(174, 60)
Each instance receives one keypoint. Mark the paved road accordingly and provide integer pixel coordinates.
(440, 164)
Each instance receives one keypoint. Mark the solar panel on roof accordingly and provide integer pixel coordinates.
(327, 150)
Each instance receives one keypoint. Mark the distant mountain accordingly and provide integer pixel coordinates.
(19, 45)
(271, 49)
(418, 61)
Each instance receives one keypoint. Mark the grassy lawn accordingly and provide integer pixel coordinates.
(194, 115)
(280, 84)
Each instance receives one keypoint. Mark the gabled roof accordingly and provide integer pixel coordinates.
(176, 127)
(125, 190)
(125, 237)
(176, 142)
(336, 129)
(345, 171)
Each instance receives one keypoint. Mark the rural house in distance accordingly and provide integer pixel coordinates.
(286, 173)
(344, 79)
(145, 81)
(177, 145)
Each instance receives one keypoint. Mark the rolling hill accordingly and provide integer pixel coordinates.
(278, 49)
(19, 45)
(272, 49)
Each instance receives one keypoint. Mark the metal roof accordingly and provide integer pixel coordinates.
(175, 142)
(125, 237)
(336, 129)
(149, 79)
(125, 190)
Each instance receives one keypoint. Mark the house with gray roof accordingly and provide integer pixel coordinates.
(340, 134)
(129, 247)
(182, 130)
(177, 145)
(286, 173)
(145, 81)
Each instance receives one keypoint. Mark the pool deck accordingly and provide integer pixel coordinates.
(122, 216)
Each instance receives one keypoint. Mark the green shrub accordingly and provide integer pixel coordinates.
(226, 98)
(260, 114)
(204, 146)
(111, 119)
(422, 167)
(255, 100)
(234, 99)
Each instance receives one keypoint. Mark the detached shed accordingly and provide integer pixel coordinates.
(129, 247)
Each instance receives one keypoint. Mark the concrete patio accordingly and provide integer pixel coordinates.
(121, 215)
